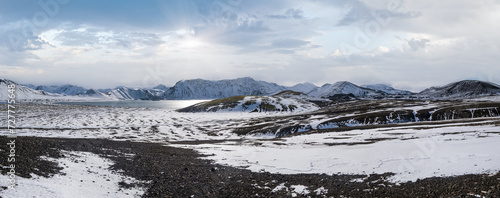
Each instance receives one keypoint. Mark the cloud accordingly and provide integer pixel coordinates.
(412, 44)
(20, 37)
(289, 14)
(416, 44)
(289, 43)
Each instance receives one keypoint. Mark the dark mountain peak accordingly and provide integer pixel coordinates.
(245, 78)
(468, 84)
(161, 87)
(464, 88)
(92, 91)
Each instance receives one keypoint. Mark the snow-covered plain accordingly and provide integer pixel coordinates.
(468, 146)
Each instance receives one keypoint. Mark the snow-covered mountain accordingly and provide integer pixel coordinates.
(125, 93)
(22, 92)
(94, 93)
(206, 89)
(118, 93)
(387, 89)
(303, 87)
(343, 87)
(68, 90)
(158, 91)
(462, 89)
(161, 87)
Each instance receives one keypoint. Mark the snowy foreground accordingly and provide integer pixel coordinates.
(411, 151)
(84, 174)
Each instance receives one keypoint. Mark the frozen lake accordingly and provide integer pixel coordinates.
(162, 104)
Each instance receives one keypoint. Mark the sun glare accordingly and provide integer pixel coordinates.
(191, 43)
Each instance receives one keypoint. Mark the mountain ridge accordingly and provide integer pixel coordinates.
(208, 89)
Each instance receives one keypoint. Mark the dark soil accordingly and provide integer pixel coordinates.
(177, 172)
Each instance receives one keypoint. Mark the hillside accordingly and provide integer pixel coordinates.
(253, 104)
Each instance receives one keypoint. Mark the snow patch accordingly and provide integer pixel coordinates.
(84, 174)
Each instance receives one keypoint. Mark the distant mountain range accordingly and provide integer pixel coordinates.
(207, 89)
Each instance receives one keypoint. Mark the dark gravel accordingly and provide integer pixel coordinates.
(176, 172)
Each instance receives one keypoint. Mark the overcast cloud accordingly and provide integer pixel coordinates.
(101, 44)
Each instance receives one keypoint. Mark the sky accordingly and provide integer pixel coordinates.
(103, 44)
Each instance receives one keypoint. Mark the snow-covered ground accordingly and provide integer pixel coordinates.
(84, 175)
(136, 124)
(410, 151)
